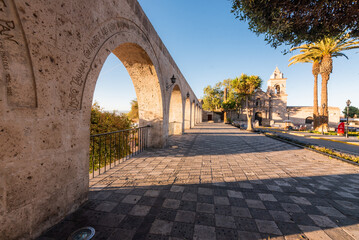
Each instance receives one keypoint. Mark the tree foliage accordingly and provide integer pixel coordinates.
(353, 111)
(133, 114)
(213, 97)
(234, 100)
(246, 86)
(294, 22)
(103, 122)
(239, 91)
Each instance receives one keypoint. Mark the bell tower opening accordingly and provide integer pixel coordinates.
(277, 83)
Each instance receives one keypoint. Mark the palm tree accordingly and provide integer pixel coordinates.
(326, 49)
(306, 57)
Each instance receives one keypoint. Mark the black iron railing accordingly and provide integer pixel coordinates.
(109, 149)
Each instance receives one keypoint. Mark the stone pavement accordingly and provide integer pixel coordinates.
(217, 182)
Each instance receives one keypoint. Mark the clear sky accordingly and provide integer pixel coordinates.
(210, 45)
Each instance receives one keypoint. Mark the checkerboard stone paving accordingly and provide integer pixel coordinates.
(217, 182)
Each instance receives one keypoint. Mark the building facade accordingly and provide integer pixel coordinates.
(270, 108)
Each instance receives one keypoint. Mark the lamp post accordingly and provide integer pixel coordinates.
(173, 81)
(348, 104)
(323, 106)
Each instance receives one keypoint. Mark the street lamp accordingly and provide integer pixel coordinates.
(348, 104)
(323, 106)
(173, 81)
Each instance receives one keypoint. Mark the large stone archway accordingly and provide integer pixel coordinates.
(51, 54)
(187, 115)
(176, 112)
(193, 116)
(135, 56)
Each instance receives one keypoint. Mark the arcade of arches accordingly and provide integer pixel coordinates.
(51, 56)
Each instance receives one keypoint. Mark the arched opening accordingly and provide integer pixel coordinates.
(187, 116)
(143, 74)
(193, 114)
(199, 114)
(258, 102)
(277, 89)
(175, 126)
(196, 113)
(258, 117)
(114, 90)
(110, 148)
(145, 81)
(309, 120)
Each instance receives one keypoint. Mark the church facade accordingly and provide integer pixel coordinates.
(269, 108)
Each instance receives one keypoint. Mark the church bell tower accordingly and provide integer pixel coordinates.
(277, 90)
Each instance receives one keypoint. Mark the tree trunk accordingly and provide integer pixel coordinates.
(315, 103)
(324, 100)
(249, 117)
(326, 67)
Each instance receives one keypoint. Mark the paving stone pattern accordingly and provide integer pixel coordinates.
(217, 182)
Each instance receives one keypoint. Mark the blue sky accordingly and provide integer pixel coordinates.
(210, 45)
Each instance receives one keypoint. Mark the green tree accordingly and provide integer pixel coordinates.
(294, 22)
(353, 111)
(133, 114)
(234, 100)
(213, 97)
(246, 86)
(306, 57)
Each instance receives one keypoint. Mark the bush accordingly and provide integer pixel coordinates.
(105, 149)
(103, 122)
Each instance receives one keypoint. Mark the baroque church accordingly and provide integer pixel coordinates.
(270, 108)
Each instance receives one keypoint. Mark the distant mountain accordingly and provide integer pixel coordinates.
(118, 112)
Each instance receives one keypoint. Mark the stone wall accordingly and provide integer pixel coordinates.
(51, 55)
(298, 115)
(215, 116)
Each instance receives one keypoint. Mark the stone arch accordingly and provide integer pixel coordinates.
(309, 120)
(52, 70)
(197, 113)
(187, 115)
(135, 51)
(175, 126)
(258, 117)
(193, 114)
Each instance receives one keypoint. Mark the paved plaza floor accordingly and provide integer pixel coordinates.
(218, 182)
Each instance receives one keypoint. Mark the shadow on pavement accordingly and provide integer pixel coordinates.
(302, 208)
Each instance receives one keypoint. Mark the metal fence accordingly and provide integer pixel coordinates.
(109, 149)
